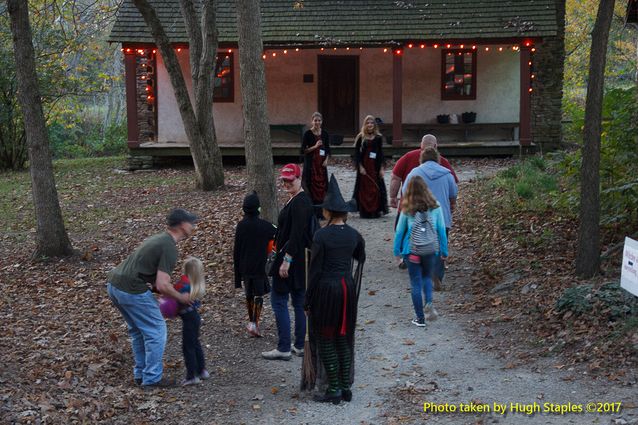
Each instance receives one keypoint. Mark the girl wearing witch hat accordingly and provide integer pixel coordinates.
(332, 296)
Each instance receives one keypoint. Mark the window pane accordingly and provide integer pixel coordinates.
(459, 77)
(223, 78)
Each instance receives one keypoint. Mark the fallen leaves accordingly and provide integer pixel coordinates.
(66, 355)
(522, 263)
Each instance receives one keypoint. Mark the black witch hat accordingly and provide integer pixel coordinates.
(334, 200)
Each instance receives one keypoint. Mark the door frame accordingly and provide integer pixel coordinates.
(355, 59)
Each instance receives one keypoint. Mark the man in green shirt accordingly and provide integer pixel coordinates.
(129, 287)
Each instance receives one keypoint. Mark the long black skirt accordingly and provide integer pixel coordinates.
(333, 314)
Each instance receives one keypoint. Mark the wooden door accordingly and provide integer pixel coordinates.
(338, 95)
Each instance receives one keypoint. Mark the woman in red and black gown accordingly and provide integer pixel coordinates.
(315, 148)
(369, 187)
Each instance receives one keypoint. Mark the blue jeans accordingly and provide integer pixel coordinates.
(147, 330)
(421, 281)
(191, 347)
(279, 302)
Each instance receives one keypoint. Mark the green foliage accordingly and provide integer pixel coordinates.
(528, 185)
(86, 139)
(610, 300)
(621, 56)
(13, 152)
(576, 299)
(76, 71)
(621, 304)
(618, 160)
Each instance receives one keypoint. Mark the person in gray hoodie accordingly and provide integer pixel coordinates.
(441, 183)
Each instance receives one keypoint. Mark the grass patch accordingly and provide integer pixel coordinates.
(94, 164)
(529, 185)
(87, 188)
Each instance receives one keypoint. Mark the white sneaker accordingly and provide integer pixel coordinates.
(418, 322)
(430, 312)
(297, 351)
(187, 382)
(204, 375)
(276, 355)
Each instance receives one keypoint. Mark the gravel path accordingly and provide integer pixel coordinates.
(398, 366)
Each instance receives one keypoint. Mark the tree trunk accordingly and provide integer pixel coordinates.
(259, 163)
(51, 237)
(588, 255)
(200, 132)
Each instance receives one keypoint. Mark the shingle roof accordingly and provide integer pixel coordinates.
(362, 22)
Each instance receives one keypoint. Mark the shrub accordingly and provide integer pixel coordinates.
(530, 182)
(576, 299)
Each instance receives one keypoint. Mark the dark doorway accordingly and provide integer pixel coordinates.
(338, 95)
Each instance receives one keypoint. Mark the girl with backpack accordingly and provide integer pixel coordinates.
(419, 238)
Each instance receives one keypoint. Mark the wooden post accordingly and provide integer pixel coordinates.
(397, 97)
(130, 75)
(525, 117)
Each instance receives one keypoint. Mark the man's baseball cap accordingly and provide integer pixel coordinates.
(290, 172)
(179, 216)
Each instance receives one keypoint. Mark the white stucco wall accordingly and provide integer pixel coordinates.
(291, 101)
(228, 116)
(497, 87)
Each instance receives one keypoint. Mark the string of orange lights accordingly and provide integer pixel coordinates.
(273, 53)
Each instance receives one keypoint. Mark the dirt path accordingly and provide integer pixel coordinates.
(398, 366)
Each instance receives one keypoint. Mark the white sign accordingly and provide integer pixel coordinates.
(629, 272)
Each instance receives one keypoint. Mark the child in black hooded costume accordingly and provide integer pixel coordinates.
(249, 256)
(332, 296)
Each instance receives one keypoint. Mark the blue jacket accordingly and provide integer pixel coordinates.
(440, 182)
(404, 229)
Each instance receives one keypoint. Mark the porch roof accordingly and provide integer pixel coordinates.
(357, 22)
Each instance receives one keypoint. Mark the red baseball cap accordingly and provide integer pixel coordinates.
(290, 172)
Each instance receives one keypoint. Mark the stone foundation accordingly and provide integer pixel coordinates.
(139, 162)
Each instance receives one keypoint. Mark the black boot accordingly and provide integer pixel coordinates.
(330, 397)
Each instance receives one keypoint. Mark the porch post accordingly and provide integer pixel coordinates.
(397, 98)
(525, 117)
(130, 71)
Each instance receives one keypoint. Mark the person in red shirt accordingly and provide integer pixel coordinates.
(408, 162)
(402, 168)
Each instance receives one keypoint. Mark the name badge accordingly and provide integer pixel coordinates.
(373, 155)
(322, 152)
